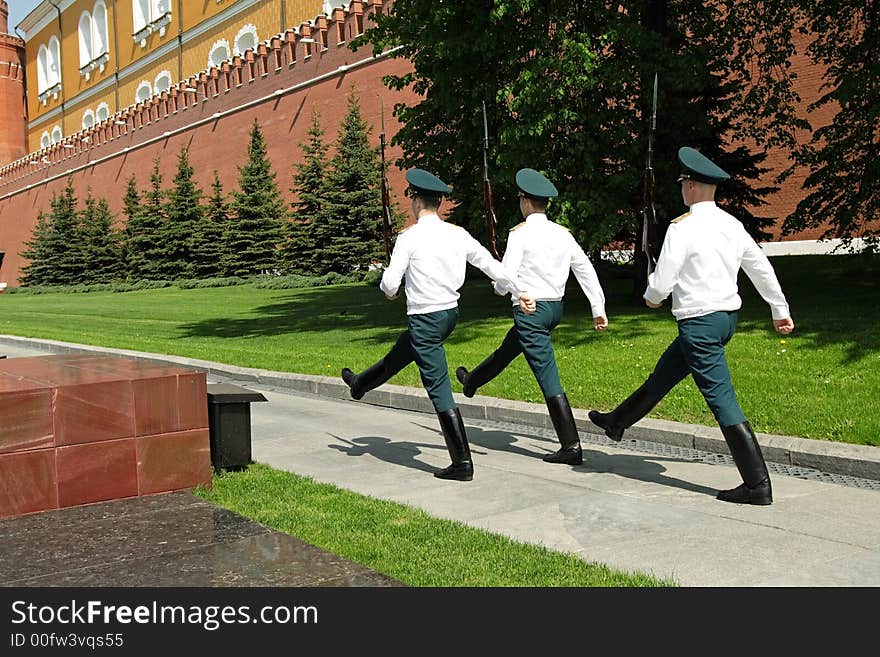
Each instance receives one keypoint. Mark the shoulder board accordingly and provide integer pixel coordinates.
(519, 225)
(680, 217)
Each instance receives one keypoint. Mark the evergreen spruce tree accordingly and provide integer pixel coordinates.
(300, 248)
(144, 232)
(101, 245)
(253, 235)
(63, 241)
(131, 207)
(37, 271)
(349, 231)
(183, 219)
(208, 254)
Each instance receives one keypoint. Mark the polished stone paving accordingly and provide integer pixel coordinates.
(174, 539)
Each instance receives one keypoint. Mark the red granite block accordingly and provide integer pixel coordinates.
(27, 482)
(173, 461)
(26, 420)
(95, 472)
(92, 412)
(192, 401)
(155, 405)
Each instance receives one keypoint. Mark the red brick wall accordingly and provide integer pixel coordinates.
(113, 153)
(103, 165)
(809, 77)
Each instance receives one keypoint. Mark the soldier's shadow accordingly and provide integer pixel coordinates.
(400, 452)
(642, 467)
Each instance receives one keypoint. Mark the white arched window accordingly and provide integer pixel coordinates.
(219, 53)
(85, 39)
(162, 82)
(45, 140)
(100, 42)
(103, 112)
(150, 16)
(57, 136)
(53, 70)
(88, 119)
(43, 70)
(144, 92)
(246, 39)
(140, 10)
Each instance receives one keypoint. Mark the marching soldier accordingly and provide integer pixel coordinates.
(698, 264)
(540, 254)
(433, 255)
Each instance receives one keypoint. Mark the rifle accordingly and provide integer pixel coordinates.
(649, 214)
(386, 197)
(491, 221)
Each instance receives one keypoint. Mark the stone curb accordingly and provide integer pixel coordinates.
(831, 457)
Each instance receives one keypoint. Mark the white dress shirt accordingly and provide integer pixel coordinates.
(698, 264)
(434, 255)
(540, 254)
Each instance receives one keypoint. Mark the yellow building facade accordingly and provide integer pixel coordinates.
(88, 59)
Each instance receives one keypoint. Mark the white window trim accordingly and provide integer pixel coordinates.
(88, 114)
(101, 51)
(137, 94)
(86, 43)
(53, 138)
(220, 43)
(251, 29)
(52, 78)
(45, 139)
(156, 21)
(162, 74)
(42, 69)
(106, 108)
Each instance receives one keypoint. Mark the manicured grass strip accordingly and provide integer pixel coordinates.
(402, 542)
(820, 382)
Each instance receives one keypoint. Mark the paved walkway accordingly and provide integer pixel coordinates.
(644, 505)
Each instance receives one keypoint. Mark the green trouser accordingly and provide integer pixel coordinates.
(422, 342)
(530, 336)
(699, 350)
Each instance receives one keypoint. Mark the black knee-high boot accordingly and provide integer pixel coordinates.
(361, 384)
(470, 381)
(749, 460)
(462, 468)
(630, 411)
(566, 430)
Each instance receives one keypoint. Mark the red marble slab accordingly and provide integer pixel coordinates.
(192, 396)
(26, 420)
(173, 461)
(155, 405)
(93, 412)
(27, 482)
(127, 368)
(95, 472)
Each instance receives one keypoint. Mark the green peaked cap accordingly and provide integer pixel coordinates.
(424, 182)
(699, 167)
(535, 184)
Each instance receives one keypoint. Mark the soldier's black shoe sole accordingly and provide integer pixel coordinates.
(460, 472)
(742, 494)
(601, 421)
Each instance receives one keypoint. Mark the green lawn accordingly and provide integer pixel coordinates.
(399, 541)
(821, 382)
